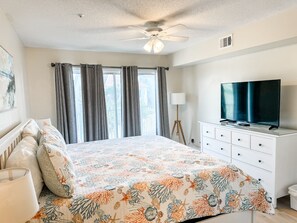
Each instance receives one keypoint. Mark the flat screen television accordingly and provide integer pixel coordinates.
(251, 102)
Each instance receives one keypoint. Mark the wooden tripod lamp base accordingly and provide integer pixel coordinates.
(178, 99)
(179, 131)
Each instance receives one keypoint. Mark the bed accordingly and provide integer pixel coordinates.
(148, 179)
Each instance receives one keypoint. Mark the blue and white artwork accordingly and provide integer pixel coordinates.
(7, 81)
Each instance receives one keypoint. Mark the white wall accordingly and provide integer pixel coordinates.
(276, 30)
(202, 83)
(41, 74)
(10, 41)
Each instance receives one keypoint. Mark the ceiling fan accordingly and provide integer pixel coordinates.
(155, 35)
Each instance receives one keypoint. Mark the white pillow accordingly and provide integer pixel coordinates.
(25, 155)
(42, 122)
(31, 129)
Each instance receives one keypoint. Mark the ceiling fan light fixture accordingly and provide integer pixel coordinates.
(153, 31)
(158, 46)
(149, 45)
(155, 45)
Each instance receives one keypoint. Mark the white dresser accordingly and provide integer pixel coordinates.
(269, 156)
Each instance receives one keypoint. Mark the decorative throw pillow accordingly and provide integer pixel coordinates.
(31, 129)
(57, 169)
(51, 135)
(24, 155)
(42, 122)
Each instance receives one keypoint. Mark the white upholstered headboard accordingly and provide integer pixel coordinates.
(9, 141)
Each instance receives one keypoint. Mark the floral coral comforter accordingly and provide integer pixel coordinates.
(150, 179)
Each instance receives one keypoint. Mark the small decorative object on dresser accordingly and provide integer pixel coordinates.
(178, 99)
(18, 202)
(269, 156)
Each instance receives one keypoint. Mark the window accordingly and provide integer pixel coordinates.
(113, 97)
(78, 103)
(147, 97)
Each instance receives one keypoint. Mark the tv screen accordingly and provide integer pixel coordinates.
(251, 102)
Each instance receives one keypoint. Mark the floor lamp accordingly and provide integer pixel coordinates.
(178, 99)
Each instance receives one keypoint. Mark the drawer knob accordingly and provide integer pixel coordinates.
(238, 154)
(222, 148)
(207, 131)
(259, 179)
(222, 135)
(238, 139)
(260, 161)
(207, 144)
(260, 144)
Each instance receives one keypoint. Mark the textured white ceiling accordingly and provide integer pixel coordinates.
(55, 24)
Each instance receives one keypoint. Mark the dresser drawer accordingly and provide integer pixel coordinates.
(262, 144)
(217, 146)
(265, 177)
(257, 159)
(223, 135)
(217, 155)
(241, 139)
(209, 131)
(223, 148)
(208, 143)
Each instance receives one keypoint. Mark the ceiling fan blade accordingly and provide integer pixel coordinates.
(139, 38)
(174, 38)
(140, 29)
(174, 29)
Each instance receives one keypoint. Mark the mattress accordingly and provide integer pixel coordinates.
(150, 179)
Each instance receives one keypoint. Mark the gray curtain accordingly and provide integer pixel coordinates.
(94, 106)
(66, 116)
(162, 111)
(130, 101)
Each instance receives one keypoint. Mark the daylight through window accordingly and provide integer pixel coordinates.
(113, 98)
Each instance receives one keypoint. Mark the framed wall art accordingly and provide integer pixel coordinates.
(7, 81)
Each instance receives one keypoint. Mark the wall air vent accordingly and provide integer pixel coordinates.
(226, 41)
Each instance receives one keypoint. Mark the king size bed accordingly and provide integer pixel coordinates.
(147, 179)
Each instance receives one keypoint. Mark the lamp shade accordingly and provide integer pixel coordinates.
(178, 98)
(18, 202)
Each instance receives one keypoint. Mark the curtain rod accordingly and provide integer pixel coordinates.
(166, 68)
